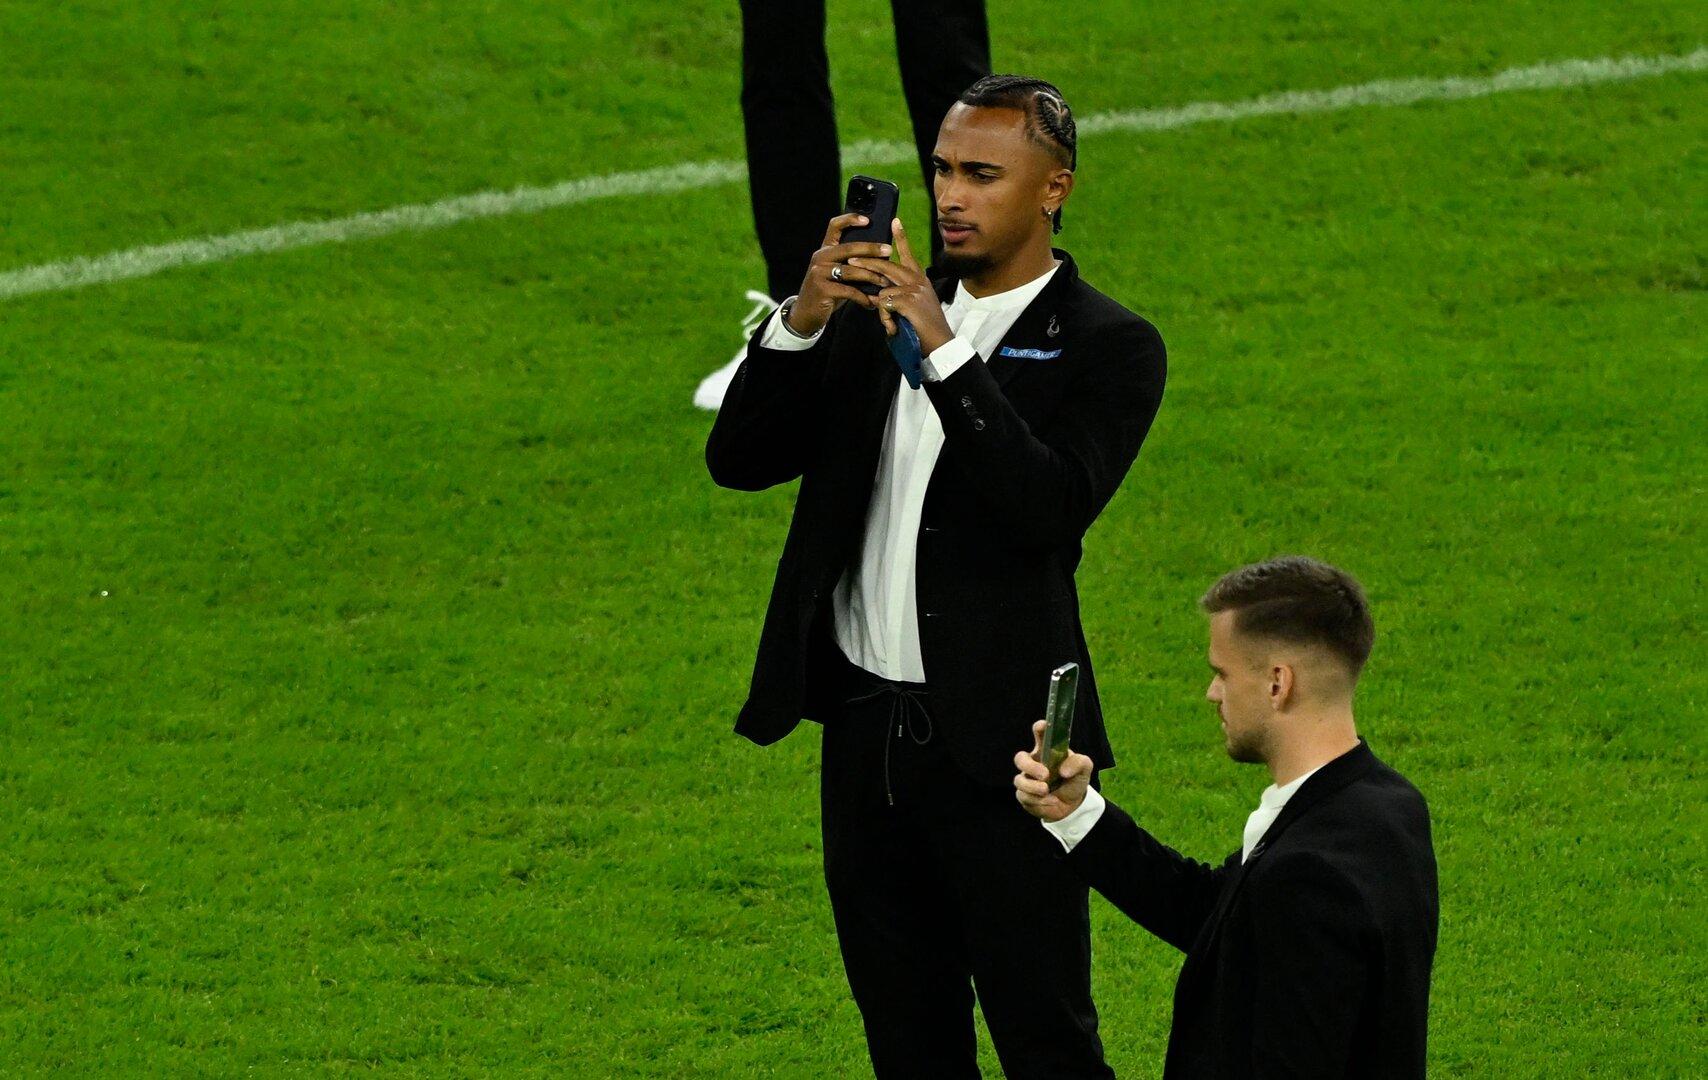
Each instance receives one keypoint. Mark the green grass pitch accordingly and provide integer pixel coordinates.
(373, 632)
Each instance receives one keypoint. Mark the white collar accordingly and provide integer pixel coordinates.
(1017, 297)
(1277, 796)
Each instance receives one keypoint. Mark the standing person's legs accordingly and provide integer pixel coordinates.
(1025, 920)
(944, 47)
(895, 915)
(794, 168)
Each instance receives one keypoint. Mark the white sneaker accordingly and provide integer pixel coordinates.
(710, 394)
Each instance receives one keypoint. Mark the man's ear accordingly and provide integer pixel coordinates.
(1281, 682)
(1058, 187)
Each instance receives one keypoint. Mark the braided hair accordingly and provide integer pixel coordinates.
(1049, 121)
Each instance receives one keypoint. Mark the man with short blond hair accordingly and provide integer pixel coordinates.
(1308, 950)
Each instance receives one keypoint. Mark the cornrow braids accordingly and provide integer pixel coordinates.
(1049, 120)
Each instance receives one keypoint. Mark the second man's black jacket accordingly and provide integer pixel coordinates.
(1310, 958)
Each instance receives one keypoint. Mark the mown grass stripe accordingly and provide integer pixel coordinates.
(419, 217)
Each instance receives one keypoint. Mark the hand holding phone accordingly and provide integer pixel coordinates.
(1040, 797)
(876, 200)
(863, 230)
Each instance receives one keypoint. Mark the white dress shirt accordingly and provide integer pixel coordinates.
(1072, 829)
(876, 617)
(1269, 806)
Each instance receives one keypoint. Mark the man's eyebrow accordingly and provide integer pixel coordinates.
(971, 166)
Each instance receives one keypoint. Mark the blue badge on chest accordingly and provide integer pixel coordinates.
(1029, 354)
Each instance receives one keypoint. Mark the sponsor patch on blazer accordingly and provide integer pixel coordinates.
(1029, 354)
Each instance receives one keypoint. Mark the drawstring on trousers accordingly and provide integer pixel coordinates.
(905, 705)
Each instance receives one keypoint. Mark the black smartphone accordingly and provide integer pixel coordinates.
(877, 200)
(1058, 717)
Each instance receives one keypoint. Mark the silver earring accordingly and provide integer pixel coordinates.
(1046, 211)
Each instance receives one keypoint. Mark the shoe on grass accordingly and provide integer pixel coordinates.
(710, 394)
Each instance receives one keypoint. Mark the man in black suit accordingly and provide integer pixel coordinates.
(926, 588)
(1308, 951)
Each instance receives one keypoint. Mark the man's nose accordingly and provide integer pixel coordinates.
(948, 194)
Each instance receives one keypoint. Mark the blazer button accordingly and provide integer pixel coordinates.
(978, 425)
(967, 401)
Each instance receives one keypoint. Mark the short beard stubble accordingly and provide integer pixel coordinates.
(964, 266)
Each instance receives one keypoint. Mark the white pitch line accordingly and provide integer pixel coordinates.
(418, 217)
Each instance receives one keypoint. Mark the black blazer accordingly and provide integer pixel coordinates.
(1312, 958)
(1036, 440)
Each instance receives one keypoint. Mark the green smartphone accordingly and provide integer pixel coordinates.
(1058, 720)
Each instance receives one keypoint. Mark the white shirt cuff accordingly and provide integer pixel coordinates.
(779, 337)
(947, 358)
(1072, 829)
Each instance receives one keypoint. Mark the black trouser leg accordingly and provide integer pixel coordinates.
(1025, 922)
(901, 947)
(794, 168)
(944, 47)
(950, 883)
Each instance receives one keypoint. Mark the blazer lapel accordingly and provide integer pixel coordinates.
(1037, 330)
(1327, 780)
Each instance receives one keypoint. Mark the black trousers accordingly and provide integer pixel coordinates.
(941, 886)
(794, 168)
